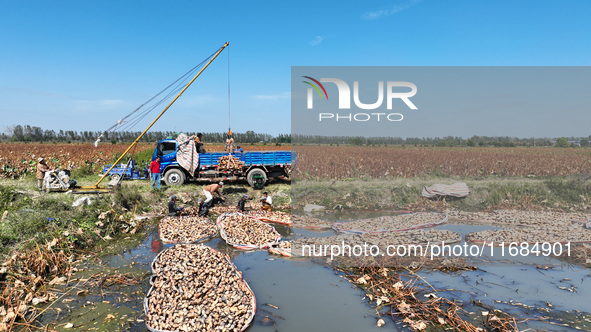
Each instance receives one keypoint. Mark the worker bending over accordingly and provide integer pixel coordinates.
(242, 203)
(173, 210)
(210, 190)
(267, 202)
(203, 208)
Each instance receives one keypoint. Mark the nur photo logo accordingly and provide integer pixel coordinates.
(310, 92)
(390, 93)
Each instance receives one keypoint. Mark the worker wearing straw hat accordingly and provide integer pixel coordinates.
(42, 168)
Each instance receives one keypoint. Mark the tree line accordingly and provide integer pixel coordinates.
(29, 133)
(449, 141)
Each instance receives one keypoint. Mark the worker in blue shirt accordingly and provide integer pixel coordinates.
(239, 150)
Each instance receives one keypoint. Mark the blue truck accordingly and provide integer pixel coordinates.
(258, 167)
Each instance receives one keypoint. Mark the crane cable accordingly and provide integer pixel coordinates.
(133, 118)
(229, 113)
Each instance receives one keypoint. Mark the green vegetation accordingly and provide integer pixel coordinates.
(562, 142)
(575, 189)
(86, 169)
(49, 216)
(39, 217)
(566, 193)
(7, 196)
(144, 156)
(128, 197)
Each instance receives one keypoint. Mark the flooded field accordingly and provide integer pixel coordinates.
(543, 293)
(308, 295)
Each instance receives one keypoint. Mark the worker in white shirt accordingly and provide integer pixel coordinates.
(267, 202)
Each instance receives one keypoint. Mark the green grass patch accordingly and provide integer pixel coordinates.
(492, 192)
(51, 216)
(573, 189)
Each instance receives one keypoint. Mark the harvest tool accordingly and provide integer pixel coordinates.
(57, 180)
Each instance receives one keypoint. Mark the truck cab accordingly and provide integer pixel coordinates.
(166, 150)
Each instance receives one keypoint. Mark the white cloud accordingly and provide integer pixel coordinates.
(278, 96)
(377, 14)
(317, 41)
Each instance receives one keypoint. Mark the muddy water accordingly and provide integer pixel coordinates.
(543, 293)
(312, 297)
(309, 296)
(528, 287)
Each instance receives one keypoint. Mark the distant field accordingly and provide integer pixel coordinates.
(17, 159)
(336, 162)
(341, 162)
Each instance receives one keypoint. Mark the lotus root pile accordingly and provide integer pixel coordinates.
(197, 288)
(382, 240)
(186, 229)
(223, 209)
(517, 217)
(230, 164)
(190, 211)
(398, 222)
(545, 233)
(272, 216)
(414, 236)
(310, 222)
(241, 229)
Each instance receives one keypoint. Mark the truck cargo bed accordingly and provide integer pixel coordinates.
(270, 158)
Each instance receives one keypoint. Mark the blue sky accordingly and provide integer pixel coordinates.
(82, 65)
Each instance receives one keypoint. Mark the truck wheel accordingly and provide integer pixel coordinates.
(174, 177)
(256, 178)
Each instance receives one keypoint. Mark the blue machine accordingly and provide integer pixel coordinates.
(128, 171)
